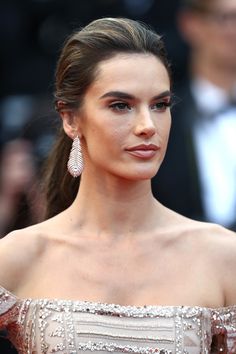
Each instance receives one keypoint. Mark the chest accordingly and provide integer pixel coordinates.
(140, 276)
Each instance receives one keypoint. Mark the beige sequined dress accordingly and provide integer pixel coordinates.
(70, 327)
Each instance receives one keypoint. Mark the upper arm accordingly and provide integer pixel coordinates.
(10, 259)
(227, 267)
(10, 270)
(230, 280)
(17, 251)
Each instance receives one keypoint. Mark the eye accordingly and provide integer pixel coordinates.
(120, 106)
(161, 106)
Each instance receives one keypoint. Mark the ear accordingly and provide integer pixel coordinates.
(71, 122)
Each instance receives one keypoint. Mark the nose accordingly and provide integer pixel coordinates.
(144, 124)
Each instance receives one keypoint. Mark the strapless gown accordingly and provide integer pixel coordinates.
(68, 327)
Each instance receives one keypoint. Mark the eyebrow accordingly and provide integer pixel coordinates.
(124, 95)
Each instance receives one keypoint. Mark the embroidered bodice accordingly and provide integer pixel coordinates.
(70, 327)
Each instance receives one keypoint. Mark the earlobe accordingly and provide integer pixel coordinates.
(69, 118)
(70, 123)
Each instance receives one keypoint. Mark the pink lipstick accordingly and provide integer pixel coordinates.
(143, 151)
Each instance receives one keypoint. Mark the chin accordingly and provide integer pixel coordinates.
(142, 175)
(136, 172)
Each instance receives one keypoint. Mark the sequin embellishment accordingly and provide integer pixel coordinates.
(112, 347)
(70, 327)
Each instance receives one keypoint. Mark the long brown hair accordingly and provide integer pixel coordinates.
(75, 72)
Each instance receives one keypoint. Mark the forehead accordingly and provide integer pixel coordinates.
(131, 72)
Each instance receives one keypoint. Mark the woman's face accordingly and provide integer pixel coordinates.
(125, 119)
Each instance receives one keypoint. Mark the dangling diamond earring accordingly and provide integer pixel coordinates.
(75, 163)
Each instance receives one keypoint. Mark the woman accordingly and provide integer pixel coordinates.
(110, 242)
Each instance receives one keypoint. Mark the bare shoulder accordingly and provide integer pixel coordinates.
(216, 246)
(224, 247)
(205, 234)
(18, 252)
(216, 239)
(212, 239)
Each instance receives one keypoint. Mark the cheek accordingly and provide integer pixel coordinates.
(114, 129)
(105, 138)
(164, 128)
(117, 134)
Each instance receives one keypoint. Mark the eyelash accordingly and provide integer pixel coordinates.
(162, 105)
(122, 106)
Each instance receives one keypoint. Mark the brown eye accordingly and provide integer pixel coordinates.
(120, 106)
(161, 106)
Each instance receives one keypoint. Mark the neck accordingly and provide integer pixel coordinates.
(111, 207)
(220, 74)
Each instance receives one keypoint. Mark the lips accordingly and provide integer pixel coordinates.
(143, 147)
(144, 151)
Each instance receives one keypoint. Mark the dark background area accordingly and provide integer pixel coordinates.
(32, 32)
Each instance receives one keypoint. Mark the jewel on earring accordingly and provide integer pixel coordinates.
(75, 163)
